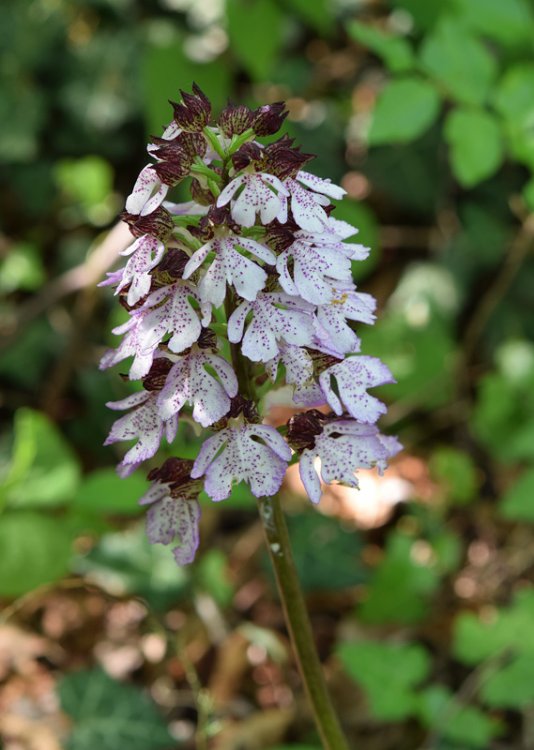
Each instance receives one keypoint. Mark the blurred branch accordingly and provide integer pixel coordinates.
(408, 237)
(80, 277)
(518, 252)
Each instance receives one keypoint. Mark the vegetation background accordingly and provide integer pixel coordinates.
(419, 586)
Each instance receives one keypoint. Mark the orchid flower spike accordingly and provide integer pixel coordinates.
(248, 281)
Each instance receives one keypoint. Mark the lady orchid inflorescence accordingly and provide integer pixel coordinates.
(249, 282)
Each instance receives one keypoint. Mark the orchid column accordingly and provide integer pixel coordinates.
(255, 260)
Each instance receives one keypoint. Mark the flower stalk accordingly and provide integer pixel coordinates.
(298, 623)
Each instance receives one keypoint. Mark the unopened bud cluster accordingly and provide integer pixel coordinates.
(249, 280)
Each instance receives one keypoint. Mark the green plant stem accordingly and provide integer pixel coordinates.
(277, 537)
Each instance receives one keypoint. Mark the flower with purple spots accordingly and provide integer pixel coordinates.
(254, 194)
(244, 287)
(342, 446)
(353, 376)
(144, 424)
(230, 266)
(255, 453)
(276, 318)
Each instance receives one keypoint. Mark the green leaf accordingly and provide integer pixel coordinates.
(405, 109)
(476, 147)
(22, 268)
(512, 686)
(514, 101)
(508, 22)
(479, 245)
(388, 673)
(34, 549)
(110, 715)
(518, 502)
(446, 718)
(424, 13)
(509, 630)
(503, 419)
(456, 471)
(528, 194)
(23, 112)
(400, 588)
(255, 31)
(319, 14)
(327, 556)
(459, 62)
(513, 98)
(104, 492)
(88, 180)
(415, 342)
(395, 51)
(44, 469)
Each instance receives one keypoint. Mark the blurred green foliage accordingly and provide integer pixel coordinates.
(110, 714)
(424, 111)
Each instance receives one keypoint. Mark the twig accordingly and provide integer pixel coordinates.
(84, 275)
(519, 249)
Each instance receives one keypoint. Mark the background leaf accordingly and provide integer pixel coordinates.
(104, 492)
(255, 49)
(395, 51)
(110, 715)
(405, 109)
(512, 686)
(476, 147)
(388, 673)
(44, 470)
(510, 23)
(34, 549)
(458, 61)
(518, 502)
(513, 100)
(441, 712)
(400, 587)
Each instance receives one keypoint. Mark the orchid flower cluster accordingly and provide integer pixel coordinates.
(246, 286)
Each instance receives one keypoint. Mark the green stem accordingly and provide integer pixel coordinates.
(277, 537)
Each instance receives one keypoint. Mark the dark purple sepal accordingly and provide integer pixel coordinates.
(157, 375)
(173, 172)
(159, 223)
(176, 473)
(235, 119)
(194, 113)
(171, 267)
(249, 153)
(207, 339)
(302, 429)
(268, 119)
(283, 160)
(279, 237)
(183, 146)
